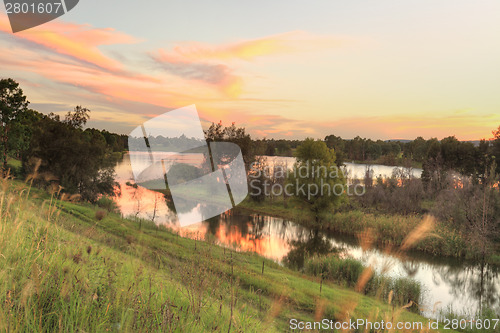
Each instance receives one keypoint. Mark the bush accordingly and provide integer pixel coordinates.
(100, 214)
(392, 197)
(343, 271)
(108, 204)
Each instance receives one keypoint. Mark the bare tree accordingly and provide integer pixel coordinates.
(480, 207)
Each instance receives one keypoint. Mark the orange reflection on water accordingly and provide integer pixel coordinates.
(267, 245)
(142, 203)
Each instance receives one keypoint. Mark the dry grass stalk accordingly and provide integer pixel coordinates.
(420, 232)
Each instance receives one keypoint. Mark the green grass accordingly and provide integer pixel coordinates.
(13, 163)
(63, 270)
(294, 210)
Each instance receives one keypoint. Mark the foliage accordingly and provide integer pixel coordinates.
(181, 172)
(400, 194)
(13, 110)
(236, 135)
(474, 209)
(107, 203)
(80, 160)
(316, 178)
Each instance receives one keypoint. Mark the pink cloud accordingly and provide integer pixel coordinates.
(79, 41)
(214, 63)
(290, 42)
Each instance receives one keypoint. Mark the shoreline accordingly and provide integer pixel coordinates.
(386, 231)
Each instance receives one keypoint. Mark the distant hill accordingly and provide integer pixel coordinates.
(398, 140)
(474, 142)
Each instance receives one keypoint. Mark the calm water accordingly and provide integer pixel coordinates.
(352, 170)
(448, 283)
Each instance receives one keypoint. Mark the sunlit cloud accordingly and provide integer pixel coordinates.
(218, 75)
(63, 64)
(79, 41)
(215, 63)
(289, 42)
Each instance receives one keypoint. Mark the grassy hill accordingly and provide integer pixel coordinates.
(66, 267)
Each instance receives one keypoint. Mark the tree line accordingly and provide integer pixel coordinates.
(467, 158)
(57, 150)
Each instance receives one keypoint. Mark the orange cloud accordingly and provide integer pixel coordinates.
(218, 75)
(206, 75)
(209, 63)
(75, 40)
(290, 42)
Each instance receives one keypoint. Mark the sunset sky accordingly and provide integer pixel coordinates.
(283, 69)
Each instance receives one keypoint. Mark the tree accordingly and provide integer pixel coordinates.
(449, 152)
(416, 149)
(13, 106)
(474, 209)
(270, 150)
(80, 159)
(258, 180)
(237, 135)
(496, 148)
(284, 148)
(215, 132)
(374, 150)
(338, 145)
(316, 179)
(78, 118)
(482, 211)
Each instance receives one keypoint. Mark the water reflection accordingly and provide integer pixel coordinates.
(352, 170)
(311, 243)
(459, 285)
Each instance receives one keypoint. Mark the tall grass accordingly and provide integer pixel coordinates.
(53, 280)
(391, 230)
(63, 270)
(348, 272)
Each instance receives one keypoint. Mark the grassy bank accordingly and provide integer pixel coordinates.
(386, 231)
(65, 267)
(348, 272)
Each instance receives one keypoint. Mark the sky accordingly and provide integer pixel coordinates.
(384, 69)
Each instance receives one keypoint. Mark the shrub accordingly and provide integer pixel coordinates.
(107, 203)
(100, 214)
(342, 271)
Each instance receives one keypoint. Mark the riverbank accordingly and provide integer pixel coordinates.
(72, 267)
(385, 231)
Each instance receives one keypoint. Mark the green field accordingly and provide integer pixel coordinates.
(64, 267)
